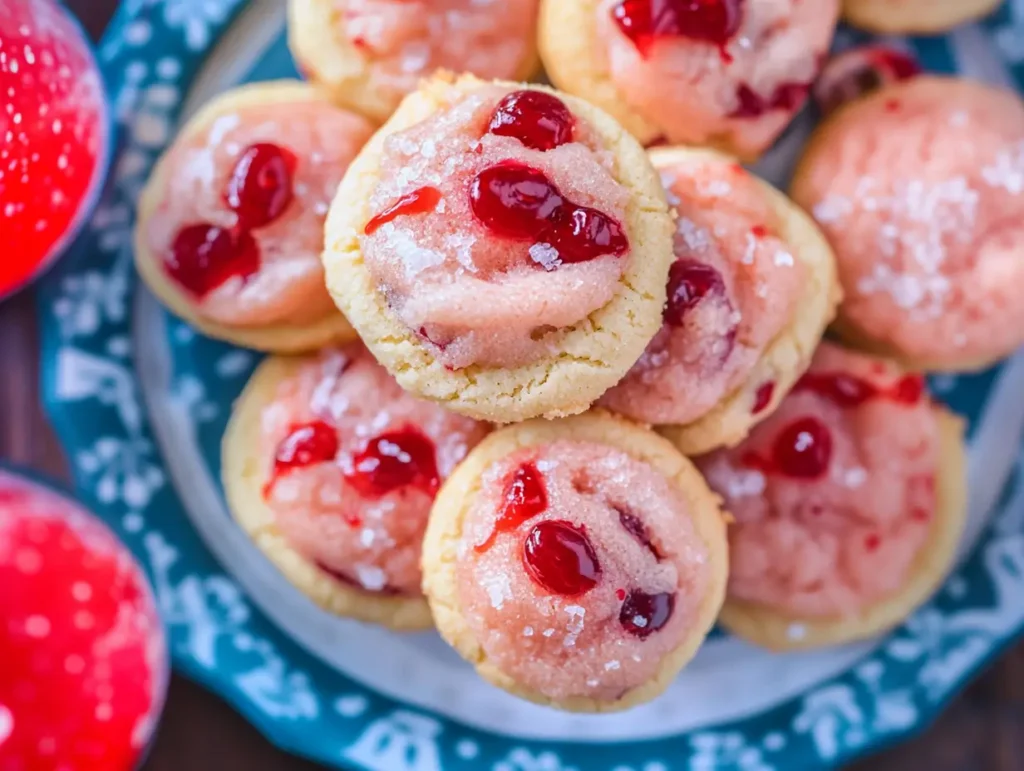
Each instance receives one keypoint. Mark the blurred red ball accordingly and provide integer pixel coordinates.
(53, 135)
(83, 658)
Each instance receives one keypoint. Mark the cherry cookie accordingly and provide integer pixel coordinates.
(509, 254)
(919, 187)
(372, 53)
(331, 469)
(576, 563)
(721, 73)
(230, 224)
(849, 503)
(750, 293)
(918, 17)
(84, 660)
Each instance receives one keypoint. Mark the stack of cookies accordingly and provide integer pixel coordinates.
(548, 367)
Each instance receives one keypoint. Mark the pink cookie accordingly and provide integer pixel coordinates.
(231, 222)
(371, 53)
(848, 501)
(750, 294)
(720, 73)
(509, 255)
(332, 469)
(84, 661)
(577, 563)
(920, 189)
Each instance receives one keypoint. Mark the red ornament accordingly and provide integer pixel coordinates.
(84, 656)
(53, 135)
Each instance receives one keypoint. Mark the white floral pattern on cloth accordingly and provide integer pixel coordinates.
(151, 54)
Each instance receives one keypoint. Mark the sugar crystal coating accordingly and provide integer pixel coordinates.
(358, 506)
(566, 637)
(741, 83)
(834, 532)
(287, 283)
(920, 190)
(733, 289)
(474, 294)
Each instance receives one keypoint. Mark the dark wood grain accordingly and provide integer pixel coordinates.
(983, 730)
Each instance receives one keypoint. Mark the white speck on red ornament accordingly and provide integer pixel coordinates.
(81, 620)
(53, 118)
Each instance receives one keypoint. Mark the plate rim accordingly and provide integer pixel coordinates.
(749, 743)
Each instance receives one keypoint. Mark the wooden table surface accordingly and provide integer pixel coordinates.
(983, 730)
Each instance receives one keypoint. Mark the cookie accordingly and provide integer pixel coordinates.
(371, 53)
(721, 74)
(230, 225)
(914, 17)
(509, 253)
(750, 294)
(849, 504)
(919, 187)
(576, 563)
(331, 469)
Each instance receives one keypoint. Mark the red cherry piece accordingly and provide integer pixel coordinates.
(525, 497)
(203, 257)
(560, 559)
(539, 120)
(53, 135)
(803, 450)
(643, 614)
(849, 391)
(518, 202)
(420, 201)
(306, 445)
(84, 657)
(860, 71)
(645, 21)
(909, 389)
(638, 530)
(786, 96)
(394, 460)
(260, 187)
(763, 397)
(689, 282)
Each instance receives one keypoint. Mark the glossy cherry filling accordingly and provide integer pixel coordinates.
(763, 397)
(537, 119)
(306, 445)
(525, 497)
(689, 283)
(261, 187)
(638, 530)
(643, 614)
(560, 559)
(518, 202)
(786, 96)
(393, 460)
(851, 391)
(419, 201)
(802, 450)
(203, 257)
(709, 21)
